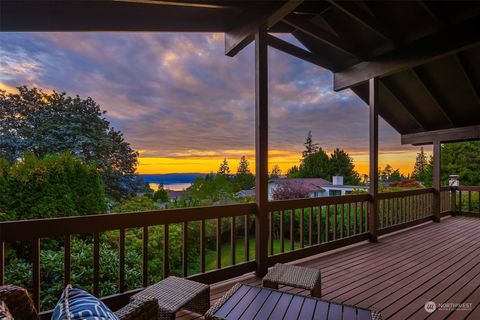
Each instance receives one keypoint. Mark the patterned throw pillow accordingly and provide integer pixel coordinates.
(77, 304)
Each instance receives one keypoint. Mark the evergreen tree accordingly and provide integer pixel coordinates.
(463, 159)
(310, 147)
(315, 165)
(422, 170)
(276, 172)
(342, 164)
(243, 166)
(224, 169)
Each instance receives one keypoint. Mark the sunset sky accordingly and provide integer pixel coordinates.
(185, 106)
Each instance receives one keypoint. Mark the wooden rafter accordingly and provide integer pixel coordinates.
(295, 51)
(462, 64)
(367, 20)
(445, 135)
(319, 34)
(401, 101)
(428, 9)
(429, 90)
(442, 44)
(239, 37)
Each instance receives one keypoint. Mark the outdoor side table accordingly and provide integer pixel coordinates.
(175, 293)
(294, 276)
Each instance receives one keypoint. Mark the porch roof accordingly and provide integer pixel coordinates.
(426, 53)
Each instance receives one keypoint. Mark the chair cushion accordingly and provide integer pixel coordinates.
(78, 304)
(19, 304)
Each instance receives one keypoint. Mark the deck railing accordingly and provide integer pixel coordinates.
(297, 229)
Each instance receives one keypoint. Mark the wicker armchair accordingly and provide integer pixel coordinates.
(21, 306)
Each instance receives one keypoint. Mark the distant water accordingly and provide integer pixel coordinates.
(172, 181)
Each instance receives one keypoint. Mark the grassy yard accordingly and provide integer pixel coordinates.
(211, 256)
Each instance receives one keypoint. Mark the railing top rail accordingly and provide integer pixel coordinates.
(39, 228)
(406, 193)
(315, 202)
(469, 188)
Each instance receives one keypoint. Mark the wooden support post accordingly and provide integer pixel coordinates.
(261, 150)
(436, 181)
(373, 153)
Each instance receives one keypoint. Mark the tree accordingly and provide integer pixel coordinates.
(310, 147)
(463, 159)
(422, 170)
(54, 186)
(224, 169)
(210, 190)
(386, 173)
(276, 172)
(289, 189)
(53, 123)
(293, 172)
(243, 166)
(161, 195)
(342, 164)
(315, 165)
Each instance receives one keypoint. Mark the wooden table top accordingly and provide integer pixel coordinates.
(247, 302)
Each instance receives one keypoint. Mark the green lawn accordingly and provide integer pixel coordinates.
(211, 256)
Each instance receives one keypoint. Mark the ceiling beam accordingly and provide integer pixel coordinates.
(439, 45)
(239, 37)
(442, 136)
(365, 19)
(466, 71)
(295, 51)
(321, 35)
(403, 103)
(433, 96)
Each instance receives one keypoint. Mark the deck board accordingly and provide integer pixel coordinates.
(437, 262)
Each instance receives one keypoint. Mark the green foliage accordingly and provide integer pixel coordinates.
(276, 172)
(54, 186)
(243, 166)
(315, 165)
(422, 170)
(54, 123)
(244, 179)
(224, 168)
(214, 188)
(310, 147)
(342, 165)
(463, 159)
(138, 203)
(161, 195)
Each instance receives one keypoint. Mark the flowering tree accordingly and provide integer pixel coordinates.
(290, 189)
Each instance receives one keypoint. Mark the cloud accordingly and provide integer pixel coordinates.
(178, 96)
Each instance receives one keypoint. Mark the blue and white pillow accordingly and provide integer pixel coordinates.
(75, 304)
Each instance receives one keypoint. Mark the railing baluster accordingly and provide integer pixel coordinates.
(36, 272)
(319, 225)
(270, 232)
(145, 256)
(335, 213)
(349, 220)
(310, 227)
(342, 217)
(166, 261)
(246, 238)
(282, 236)
(355, 218)
(185, 248)
(2, 263)
(469, 200)
(327, 224)
(361, 217)
(96, 263)
(233, 234)
(67, 260)
(121, 248)
(202, 246)
(302, 212)
(219, 243)
(292, 224)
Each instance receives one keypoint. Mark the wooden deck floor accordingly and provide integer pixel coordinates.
(432, 262)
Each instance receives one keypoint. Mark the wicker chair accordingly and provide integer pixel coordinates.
(21, 306)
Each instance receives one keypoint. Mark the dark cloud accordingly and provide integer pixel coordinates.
(174, 93)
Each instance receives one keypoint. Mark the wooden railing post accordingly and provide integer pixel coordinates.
(453, 200)
(261, 150)
(436, 181)
(373, 154)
